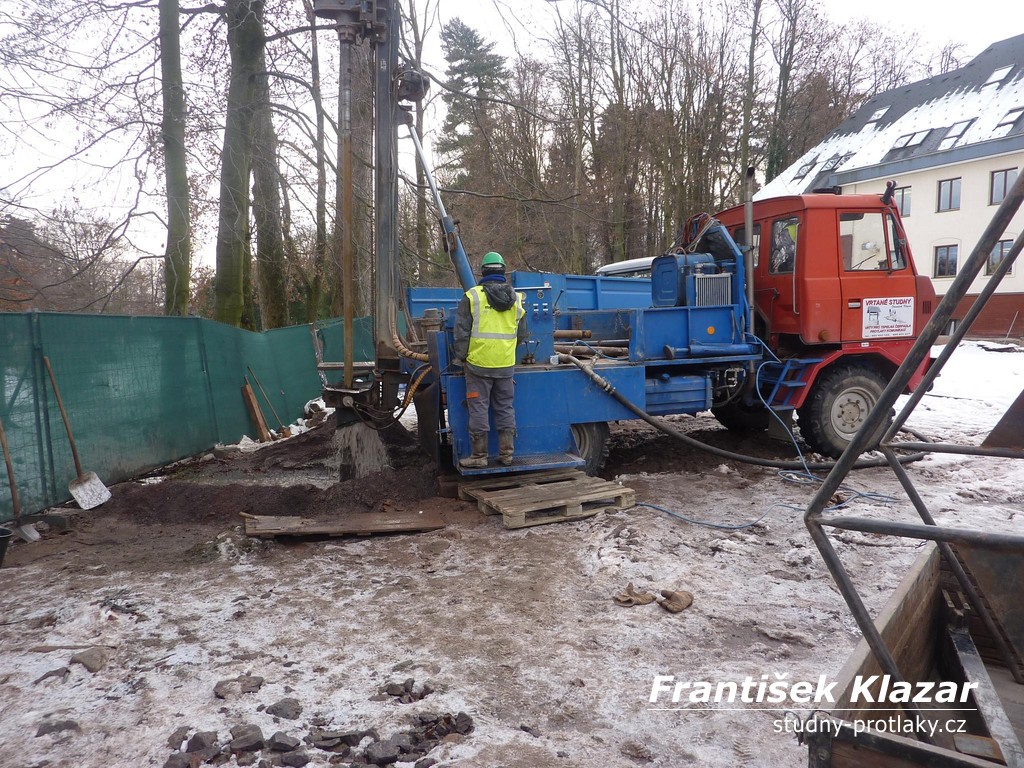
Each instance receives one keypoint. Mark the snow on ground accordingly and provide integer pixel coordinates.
(516, 628)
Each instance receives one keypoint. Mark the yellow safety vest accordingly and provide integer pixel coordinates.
(492, 344)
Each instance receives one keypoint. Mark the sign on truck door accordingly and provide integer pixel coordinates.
(878, 287)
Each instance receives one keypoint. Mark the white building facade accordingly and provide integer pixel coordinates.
(954, 145)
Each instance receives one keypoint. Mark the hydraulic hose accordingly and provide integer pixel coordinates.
(700, 445)
(403, 350)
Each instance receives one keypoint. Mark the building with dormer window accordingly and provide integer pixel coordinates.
(954, 144)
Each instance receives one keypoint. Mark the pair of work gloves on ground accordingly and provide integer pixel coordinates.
(674, 601)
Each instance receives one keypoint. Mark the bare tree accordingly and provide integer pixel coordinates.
(178, 251)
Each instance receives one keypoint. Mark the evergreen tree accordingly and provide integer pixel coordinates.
(475, 76)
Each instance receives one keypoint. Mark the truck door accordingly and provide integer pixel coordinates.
(775, 288)
(878, 286)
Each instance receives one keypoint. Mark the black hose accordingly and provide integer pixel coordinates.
(694, 443)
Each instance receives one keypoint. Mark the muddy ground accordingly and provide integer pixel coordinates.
(516, 628)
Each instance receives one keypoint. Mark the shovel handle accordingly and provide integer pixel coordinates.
(279, 422)
(63, 415)
(15, 504)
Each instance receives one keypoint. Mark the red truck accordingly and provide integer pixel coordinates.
(835, 283)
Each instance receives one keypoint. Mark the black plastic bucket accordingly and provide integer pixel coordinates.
(5, 539)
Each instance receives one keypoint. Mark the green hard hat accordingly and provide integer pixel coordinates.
(492, 259)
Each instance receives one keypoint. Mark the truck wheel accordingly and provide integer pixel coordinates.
(592, 443)
(837, 406)
(741, 417)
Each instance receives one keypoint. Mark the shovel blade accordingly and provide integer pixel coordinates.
(88, 490)
(1009, 432)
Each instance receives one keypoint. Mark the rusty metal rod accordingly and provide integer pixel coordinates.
(973, 597)
(590, 351)
(1006, 542)
(967, 450)
(858, 609)
(880, 413)
(932, 373)
(580, 344)
(344, 228)
(571, 334)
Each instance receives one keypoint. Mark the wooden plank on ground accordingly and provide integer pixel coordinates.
(545, 497)
(362, 524)
(254, 411)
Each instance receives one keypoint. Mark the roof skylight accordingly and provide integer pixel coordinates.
(804, 169)
(877, 114)
(955, 133)
(1011, 117)
(910, 139)
(998, 75)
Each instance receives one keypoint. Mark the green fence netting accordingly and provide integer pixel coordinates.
(142, 392)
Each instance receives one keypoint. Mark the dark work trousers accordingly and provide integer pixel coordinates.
(482, 392)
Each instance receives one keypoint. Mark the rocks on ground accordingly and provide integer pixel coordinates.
(362, 747)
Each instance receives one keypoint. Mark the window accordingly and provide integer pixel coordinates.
(1001, 183)
(998, 76)
(784, 240)
(804, 169)
(902, 199)
(955, 133)
(740, 236)
(910, 139)
(1011, 117)
(835, 161)
(831, 163)
(878, 114)
(949, 195)
(945, 260)
(998, 254)
(863, 241)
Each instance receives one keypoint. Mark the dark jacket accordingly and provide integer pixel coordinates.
(502, 297)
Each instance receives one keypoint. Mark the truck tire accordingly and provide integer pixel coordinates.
(592, 442)
(741, 417)
(837, 406)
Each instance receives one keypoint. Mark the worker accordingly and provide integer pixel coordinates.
(489, 323)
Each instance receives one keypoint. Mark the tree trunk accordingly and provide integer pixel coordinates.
(245, 41)
(270, 254)
(178, 252)
(316, 288)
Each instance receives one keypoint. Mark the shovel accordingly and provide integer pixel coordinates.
(27, 532)
(87, 489)
(1009, 432)
(285, 431)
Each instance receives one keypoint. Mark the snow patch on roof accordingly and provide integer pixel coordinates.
(924, 118)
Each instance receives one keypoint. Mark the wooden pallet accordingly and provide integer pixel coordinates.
(545, 497)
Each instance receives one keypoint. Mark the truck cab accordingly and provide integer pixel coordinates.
(832, 270)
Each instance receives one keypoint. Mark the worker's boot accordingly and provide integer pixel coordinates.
(506, 446)
(479, 458)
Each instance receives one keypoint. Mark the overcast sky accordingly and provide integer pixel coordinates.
(976, 23)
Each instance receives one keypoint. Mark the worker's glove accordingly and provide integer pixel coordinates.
(457, 362)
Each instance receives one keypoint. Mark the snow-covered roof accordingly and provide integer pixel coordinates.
(975, 111)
